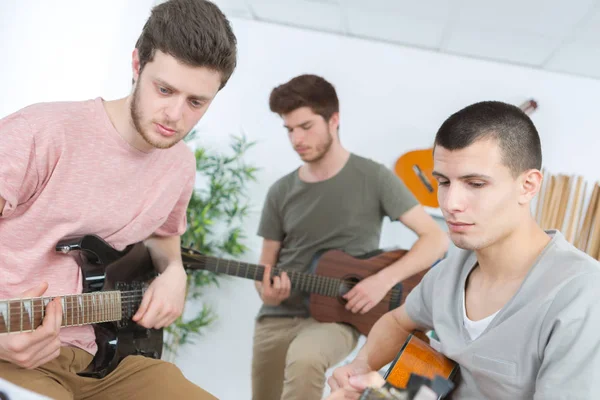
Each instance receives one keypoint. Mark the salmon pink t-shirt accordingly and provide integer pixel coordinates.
(65, 171)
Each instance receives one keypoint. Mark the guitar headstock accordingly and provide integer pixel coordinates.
(529, 106)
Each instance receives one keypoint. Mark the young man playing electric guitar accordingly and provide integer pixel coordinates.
(117, 169)
(336, 199)
(517, 308)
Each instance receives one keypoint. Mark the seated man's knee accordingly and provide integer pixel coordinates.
(168, 369)
(304, 363)
(163, 369)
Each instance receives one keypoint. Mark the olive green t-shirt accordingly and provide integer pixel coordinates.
(343, 212)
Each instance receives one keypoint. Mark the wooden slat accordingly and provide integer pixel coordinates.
(584, 232)
(581, 208)
(563, 203)
(546, 204)
(575, 211)
(554, 203)
(594, 241)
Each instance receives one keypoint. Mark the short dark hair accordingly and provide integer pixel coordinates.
(195, 32)
(305, 91)
(514, 131)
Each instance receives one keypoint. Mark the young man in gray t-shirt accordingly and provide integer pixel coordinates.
(516, 307)
(336, 199)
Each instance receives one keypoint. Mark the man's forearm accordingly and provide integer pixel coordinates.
(383, 342)
(165, 251)
(424, 253)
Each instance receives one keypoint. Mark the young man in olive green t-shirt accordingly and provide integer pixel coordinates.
(336, 199)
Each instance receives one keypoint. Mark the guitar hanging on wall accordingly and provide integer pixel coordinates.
(415, 168)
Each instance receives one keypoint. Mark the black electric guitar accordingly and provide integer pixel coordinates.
(114, 283)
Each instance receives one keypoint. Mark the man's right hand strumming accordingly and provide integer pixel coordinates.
(355, 384)
(32, 349)
(272, 294)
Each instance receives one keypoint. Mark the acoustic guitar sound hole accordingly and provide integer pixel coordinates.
(347, 284)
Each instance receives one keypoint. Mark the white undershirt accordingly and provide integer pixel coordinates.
(475, 328)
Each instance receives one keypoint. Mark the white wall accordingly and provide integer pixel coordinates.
(393, 99)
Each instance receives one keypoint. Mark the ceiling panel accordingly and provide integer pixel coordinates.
(590, 28)
(231, 4)
(509, 46)
(419, 23)
(234, 8)
(558, 35)
(321, 15)
(579, 57)
(552, 18)
(425, 9)
(394, 27)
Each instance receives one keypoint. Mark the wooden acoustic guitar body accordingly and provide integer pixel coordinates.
(419, 358)
(351, 270)
(414, 168)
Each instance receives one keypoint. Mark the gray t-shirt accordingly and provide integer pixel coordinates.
(543, 344)
(343, 212)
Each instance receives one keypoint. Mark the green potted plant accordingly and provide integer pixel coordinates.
(216, 213)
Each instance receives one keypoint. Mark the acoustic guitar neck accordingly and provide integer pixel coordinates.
(305, 282)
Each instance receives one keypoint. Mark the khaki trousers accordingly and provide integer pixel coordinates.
(136, 377)
(291, 355)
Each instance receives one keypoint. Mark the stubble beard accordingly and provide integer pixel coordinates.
(321, 149)
(136, 118)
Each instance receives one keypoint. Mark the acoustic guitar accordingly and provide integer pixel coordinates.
(418, 357)
(417, 372)
(332, 274)
(414, 168)
(114, 283)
